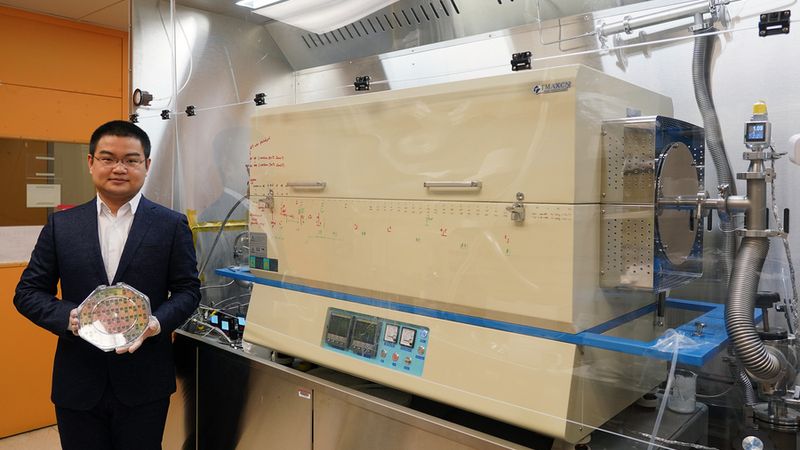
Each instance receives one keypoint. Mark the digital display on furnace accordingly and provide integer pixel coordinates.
(339, 325)
(337, 333)
(365, 331)
(755, 132)
(365, 337)
(407, 337)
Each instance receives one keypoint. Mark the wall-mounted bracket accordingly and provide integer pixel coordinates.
(362, 83)
(521, 61)
(774, 23)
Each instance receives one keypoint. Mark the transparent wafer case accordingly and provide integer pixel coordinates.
(113, 316)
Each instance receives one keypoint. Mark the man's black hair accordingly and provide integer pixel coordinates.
(120, 128)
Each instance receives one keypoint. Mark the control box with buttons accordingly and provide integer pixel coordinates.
(394, 345)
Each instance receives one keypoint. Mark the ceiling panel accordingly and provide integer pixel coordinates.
(107, 13)
(114, 16)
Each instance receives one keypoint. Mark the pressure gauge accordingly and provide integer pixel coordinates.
(390, 333)
(407, 337)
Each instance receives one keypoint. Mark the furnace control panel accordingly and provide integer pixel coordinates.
(388, 343)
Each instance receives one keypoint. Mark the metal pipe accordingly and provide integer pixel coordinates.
(628, 23)
(765, 318)
(679, 203)
(736, 203)
(756, 219)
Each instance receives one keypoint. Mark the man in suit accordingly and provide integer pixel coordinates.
(119, 399)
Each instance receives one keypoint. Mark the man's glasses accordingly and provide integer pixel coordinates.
(130, 163)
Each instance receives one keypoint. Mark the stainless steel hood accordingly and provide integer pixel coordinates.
(413, 23)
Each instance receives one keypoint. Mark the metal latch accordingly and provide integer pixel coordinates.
(517, 210)
(268, 201)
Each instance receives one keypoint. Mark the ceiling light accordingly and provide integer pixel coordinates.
(255, 4)
(321, 16)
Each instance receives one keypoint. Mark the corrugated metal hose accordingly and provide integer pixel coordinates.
(739, 319)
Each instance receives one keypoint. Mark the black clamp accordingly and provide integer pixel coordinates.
(362, 83)
(165, 114)
(774, 23)
(134, 118)
(260, 99)
(766, 300)
(190, 111)
(521, 61)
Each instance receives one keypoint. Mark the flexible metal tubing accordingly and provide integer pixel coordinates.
(739, 319)
(749, 394)
(714, 143)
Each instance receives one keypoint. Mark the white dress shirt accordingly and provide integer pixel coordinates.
(113, 232)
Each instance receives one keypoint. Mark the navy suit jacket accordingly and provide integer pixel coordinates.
(158, 259)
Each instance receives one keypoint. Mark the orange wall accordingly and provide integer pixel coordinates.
(27, 354)
(58, 81)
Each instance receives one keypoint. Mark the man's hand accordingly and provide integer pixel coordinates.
(73, 321)
(153, 328)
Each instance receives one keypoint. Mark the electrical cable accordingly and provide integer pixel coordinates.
(219, 233)
(218, 285)
(716, 395)
(792, 304)
(169, 42)
(221, 311)
(223, 301)
(665, 397)
(210, 330)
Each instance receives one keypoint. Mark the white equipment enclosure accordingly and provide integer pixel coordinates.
(469, 218)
